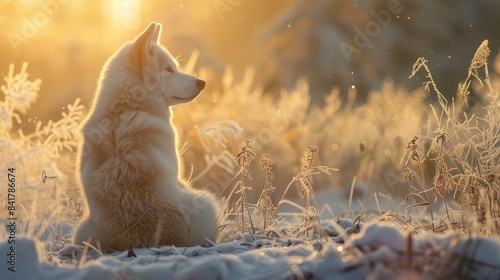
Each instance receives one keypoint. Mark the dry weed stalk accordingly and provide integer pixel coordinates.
(408, 177)
(422, 62)
(415, 156)
(442, 177)
(265, 203)
(311, 222)
(243, 159)
(480, 60)
(260, 218)
(468, 149)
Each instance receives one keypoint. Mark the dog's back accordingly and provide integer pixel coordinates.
(128, 159)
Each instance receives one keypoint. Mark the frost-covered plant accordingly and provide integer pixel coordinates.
(242, 218)
(261, 217)
(465, 149)
(243, 159)
(311, 222)
(287, 123)
(35, 153)
(414, 155)
(265, 203)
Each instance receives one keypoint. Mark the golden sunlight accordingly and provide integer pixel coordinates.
(123, 13)
(292, 139)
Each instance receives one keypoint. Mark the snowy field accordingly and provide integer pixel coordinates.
(400, 178)
(366, 234)
(352, 250)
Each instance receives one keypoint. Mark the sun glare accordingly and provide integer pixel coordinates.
(123, 13)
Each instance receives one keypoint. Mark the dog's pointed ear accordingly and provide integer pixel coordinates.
(147, 37)
(156, 35)
(148, 33)
(144, 45)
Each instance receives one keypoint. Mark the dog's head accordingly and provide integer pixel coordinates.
(158, 69)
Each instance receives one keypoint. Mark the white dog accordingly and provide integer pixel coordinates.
(128, 162)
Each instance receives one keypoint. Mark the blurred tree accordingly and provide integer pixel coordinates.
(346, 43)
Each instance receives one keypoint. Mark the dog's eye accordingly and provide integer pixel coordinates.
(169, 69)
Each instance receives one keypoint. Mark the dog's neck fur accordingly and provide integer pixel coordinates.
(135, 98)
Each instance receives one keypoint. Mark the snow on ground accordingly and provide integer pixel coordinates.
(353, 250)
(378, 250)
